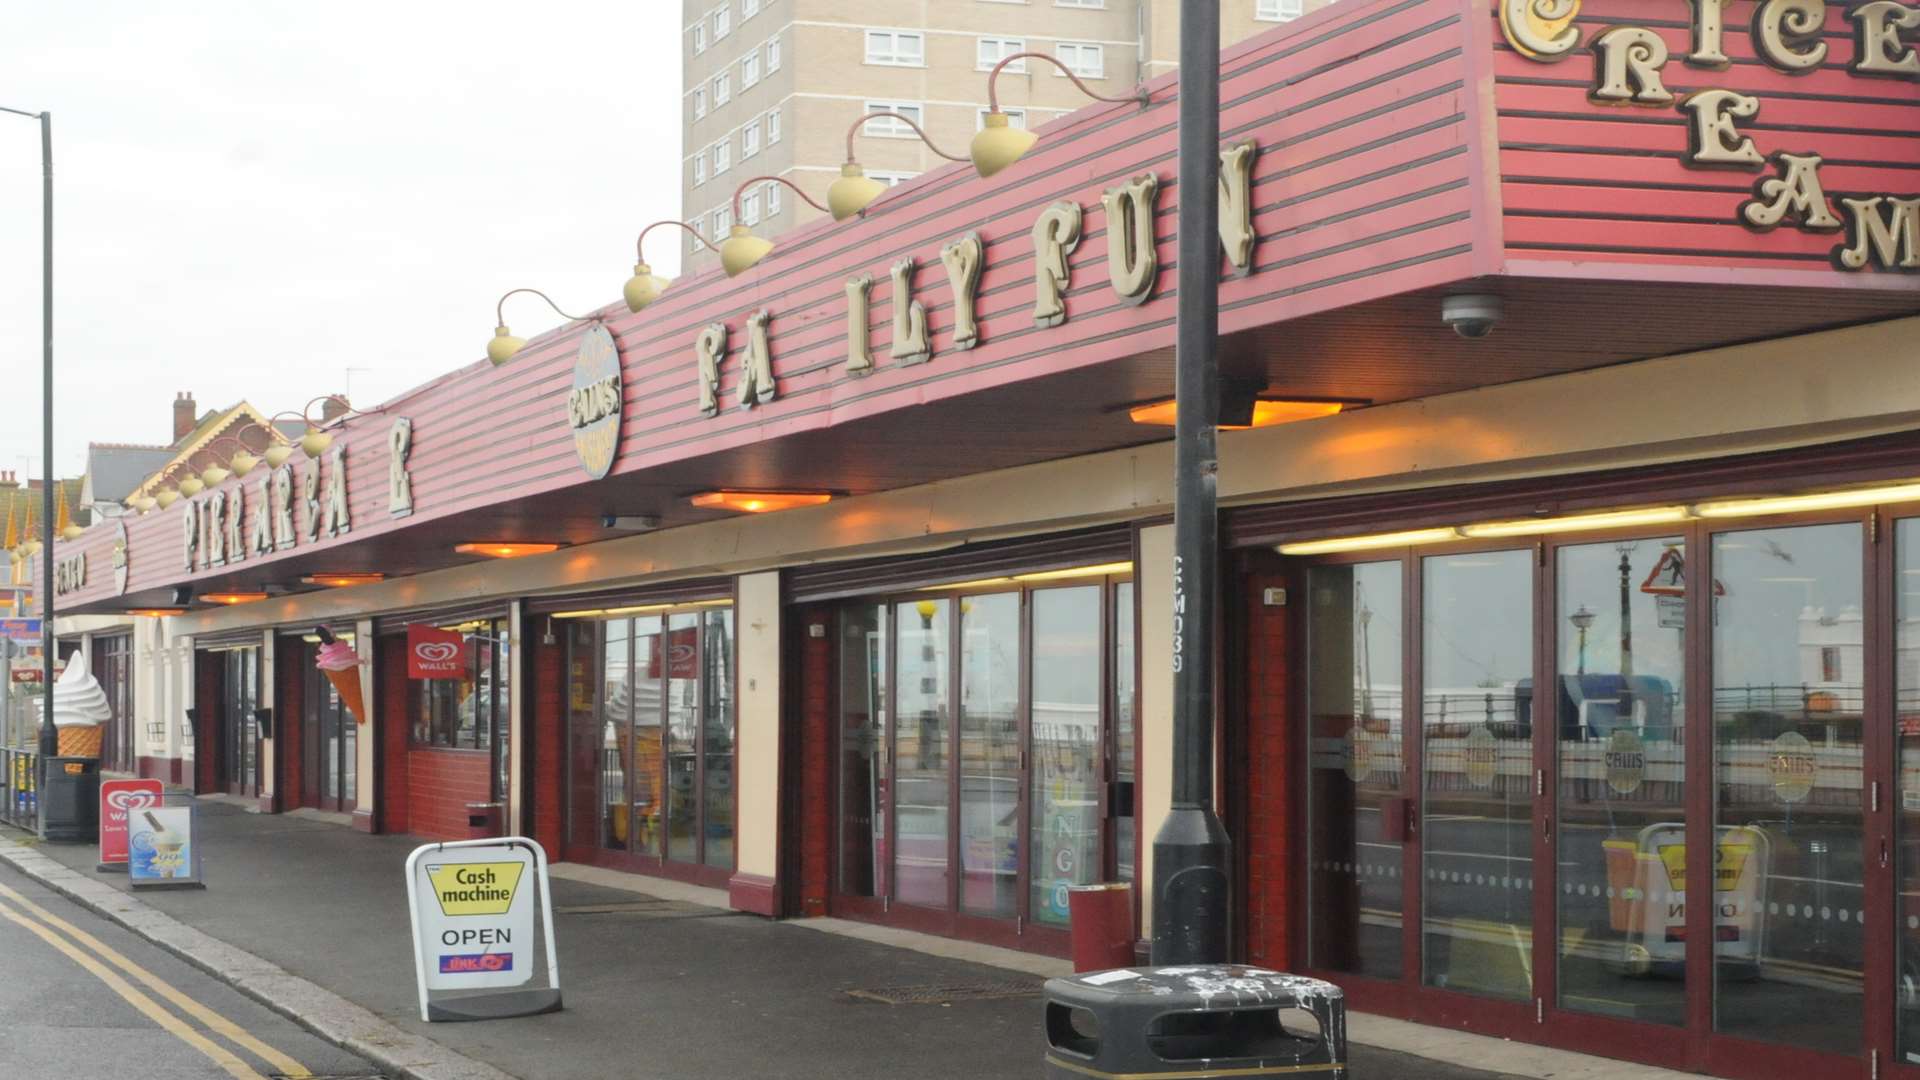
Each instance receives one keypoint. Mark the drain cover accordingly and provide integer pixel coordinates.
(946, 994)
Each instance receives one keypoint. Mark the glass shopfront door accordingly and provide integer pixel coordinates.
(239, 725)
(984, 755)
(1594, 711)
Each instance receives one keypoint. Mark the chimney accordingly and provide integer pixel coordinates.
(185, 415)
(7, 479)
(333, 408)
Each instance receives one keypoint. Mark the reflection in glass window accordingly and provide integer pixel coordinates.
(990, 754)
(1619, 693)
(1125, 704)
(1476, 705)
(1065, 845)
(920, 753)
(863, 750)
(1355, 718)
(1906, 711)
(1788, 780)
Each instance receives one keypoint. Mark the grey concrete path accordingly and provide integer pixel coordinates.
(655, 989)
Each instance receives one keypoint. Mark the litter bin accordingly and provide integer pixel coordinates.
(70, 800)
(1100, 920)
(1213, 1020)
(483, 820)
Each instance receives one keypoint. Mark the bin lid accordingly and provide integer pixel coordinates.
(1206, 985)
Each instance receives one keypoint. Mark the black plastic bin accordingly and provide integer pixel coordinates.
(484, 820)
(70, 800)
(1203, 1021)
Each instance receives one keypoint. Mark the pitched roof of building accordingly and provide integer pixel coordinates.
(118, 469)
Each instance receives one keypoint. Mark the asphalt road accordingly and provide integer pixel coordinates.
(82, 998)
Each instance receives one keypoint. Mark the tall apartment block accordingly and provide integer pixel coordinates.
(771, 86)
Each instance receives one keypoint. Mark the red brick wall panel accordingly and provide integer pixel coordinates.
(289, 675)
(440, 784)
(816, 763)
(1269, 779)
(393, 694)
(208, 677)
(547, 745)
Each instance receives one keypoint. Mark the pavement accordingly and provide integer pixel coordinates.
(311, 918)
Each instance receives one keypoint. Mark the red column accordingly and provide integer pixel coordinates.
(1269, 777)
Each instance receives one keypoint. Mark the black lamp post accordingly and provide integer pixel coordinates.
(49, 741)
(1191, 852)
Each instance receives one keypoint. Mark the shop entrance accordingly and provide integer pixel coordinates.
(1514, 750)
(238, 760)
(985, 755)
(328, 737)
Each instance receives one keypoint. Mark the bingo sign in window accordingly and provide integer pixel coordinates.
(476, 908)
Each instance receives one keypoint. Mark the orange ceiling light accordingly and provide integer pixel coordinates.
(344, 579)
(505, 549)
(232, 598)
(1266, 413)
(157, 612)
(758, 502)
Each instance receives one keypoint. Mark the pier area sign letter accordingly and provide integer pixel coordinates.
(475, 911)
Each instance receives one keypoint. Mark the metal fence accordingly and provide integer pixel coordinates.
(19, 788)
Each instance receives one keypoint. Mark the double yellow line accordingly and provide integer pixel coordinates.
(70, 939)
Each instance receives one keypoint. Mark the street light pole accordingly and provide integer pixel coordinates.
(49, 741)
(1191, 852)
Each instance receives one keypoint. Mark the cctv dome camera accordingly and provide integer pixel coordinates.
(1473, 315)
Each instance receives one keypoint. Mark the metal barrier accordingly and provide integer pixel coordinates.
(20, 788)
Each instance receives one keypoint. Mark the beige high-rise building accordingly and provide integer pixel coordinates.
(771, 86)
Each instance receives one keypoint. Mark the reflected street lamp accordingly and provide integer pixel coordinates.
(1582, 621)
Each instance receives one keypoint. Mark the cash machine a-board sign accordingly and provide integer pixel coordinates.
(474, 908)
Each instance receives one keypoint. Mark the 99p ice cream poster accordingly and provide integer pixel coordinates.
(161, 850)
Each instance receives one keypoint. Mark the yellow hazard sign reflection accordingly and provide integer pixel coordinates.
(475, 888)
(1729, 859)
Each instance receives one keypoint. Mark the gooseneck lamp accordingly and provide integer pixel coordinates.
(504, 345)
(999, 144)
(644, 287)
(741, 249)
(854, 190)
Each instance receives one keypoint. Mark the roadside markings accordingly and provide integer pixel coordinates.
(154, 1011)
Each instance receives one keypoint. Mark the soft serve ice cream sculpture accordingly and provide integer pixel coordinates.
(80, 711)
(341, 665)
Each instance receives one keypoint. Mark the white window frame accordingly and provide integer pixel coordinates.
(700, 36)
(890, 178)
(750, 139)
(773, 127)
(773, 199)
(700, 167)
(693, 239)
(722, 88)
(750, 69)
(1016, 118)
(750, 208)
(1278, 10)
(722, 22)
(890, 57)
(699, 102)
(748, 9)
(1004, 47)
(722, 222)
(773, 54)
(723, 154)
(1079, 49)
(1080, 3)
(888, 129)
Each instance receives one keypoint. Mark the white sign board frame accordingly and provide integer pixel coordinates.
(484, 942)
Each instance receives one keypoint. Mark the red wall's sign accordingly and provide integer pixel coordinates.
(118, 798)
(433, 653)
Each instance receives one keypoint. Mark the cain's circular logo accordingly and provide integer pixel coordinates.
(594, 403)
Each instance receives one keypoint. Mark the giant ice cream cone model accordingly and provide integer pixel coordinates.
(341, 665)
(80, 711)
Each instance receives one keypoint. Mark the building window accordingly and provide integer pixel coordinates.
(990, 51)
(651, 725)
(723, 155)
(700, 167)
(468, 712)
(693, 238)
(750, 208)
(748, 9)
(750, 139)
(722, 21)
(1086, 61)
(896, 48)
(699, 37)
(722, 222)
(893, 129)
(773, 127)
(773, 199)
(722, 89)
(773, 55)
(1278, 10)
(749, 69)
(1015, 118)
(1830, 667)
(891, 179)
(1080, 3)
(699, 102)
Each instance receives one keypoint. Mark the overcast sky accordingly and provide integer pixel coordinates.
(253, 197)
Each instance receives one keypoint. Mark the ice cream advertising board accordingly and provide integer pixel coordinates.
(118, 800)
(160, 849)
(473, 906)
